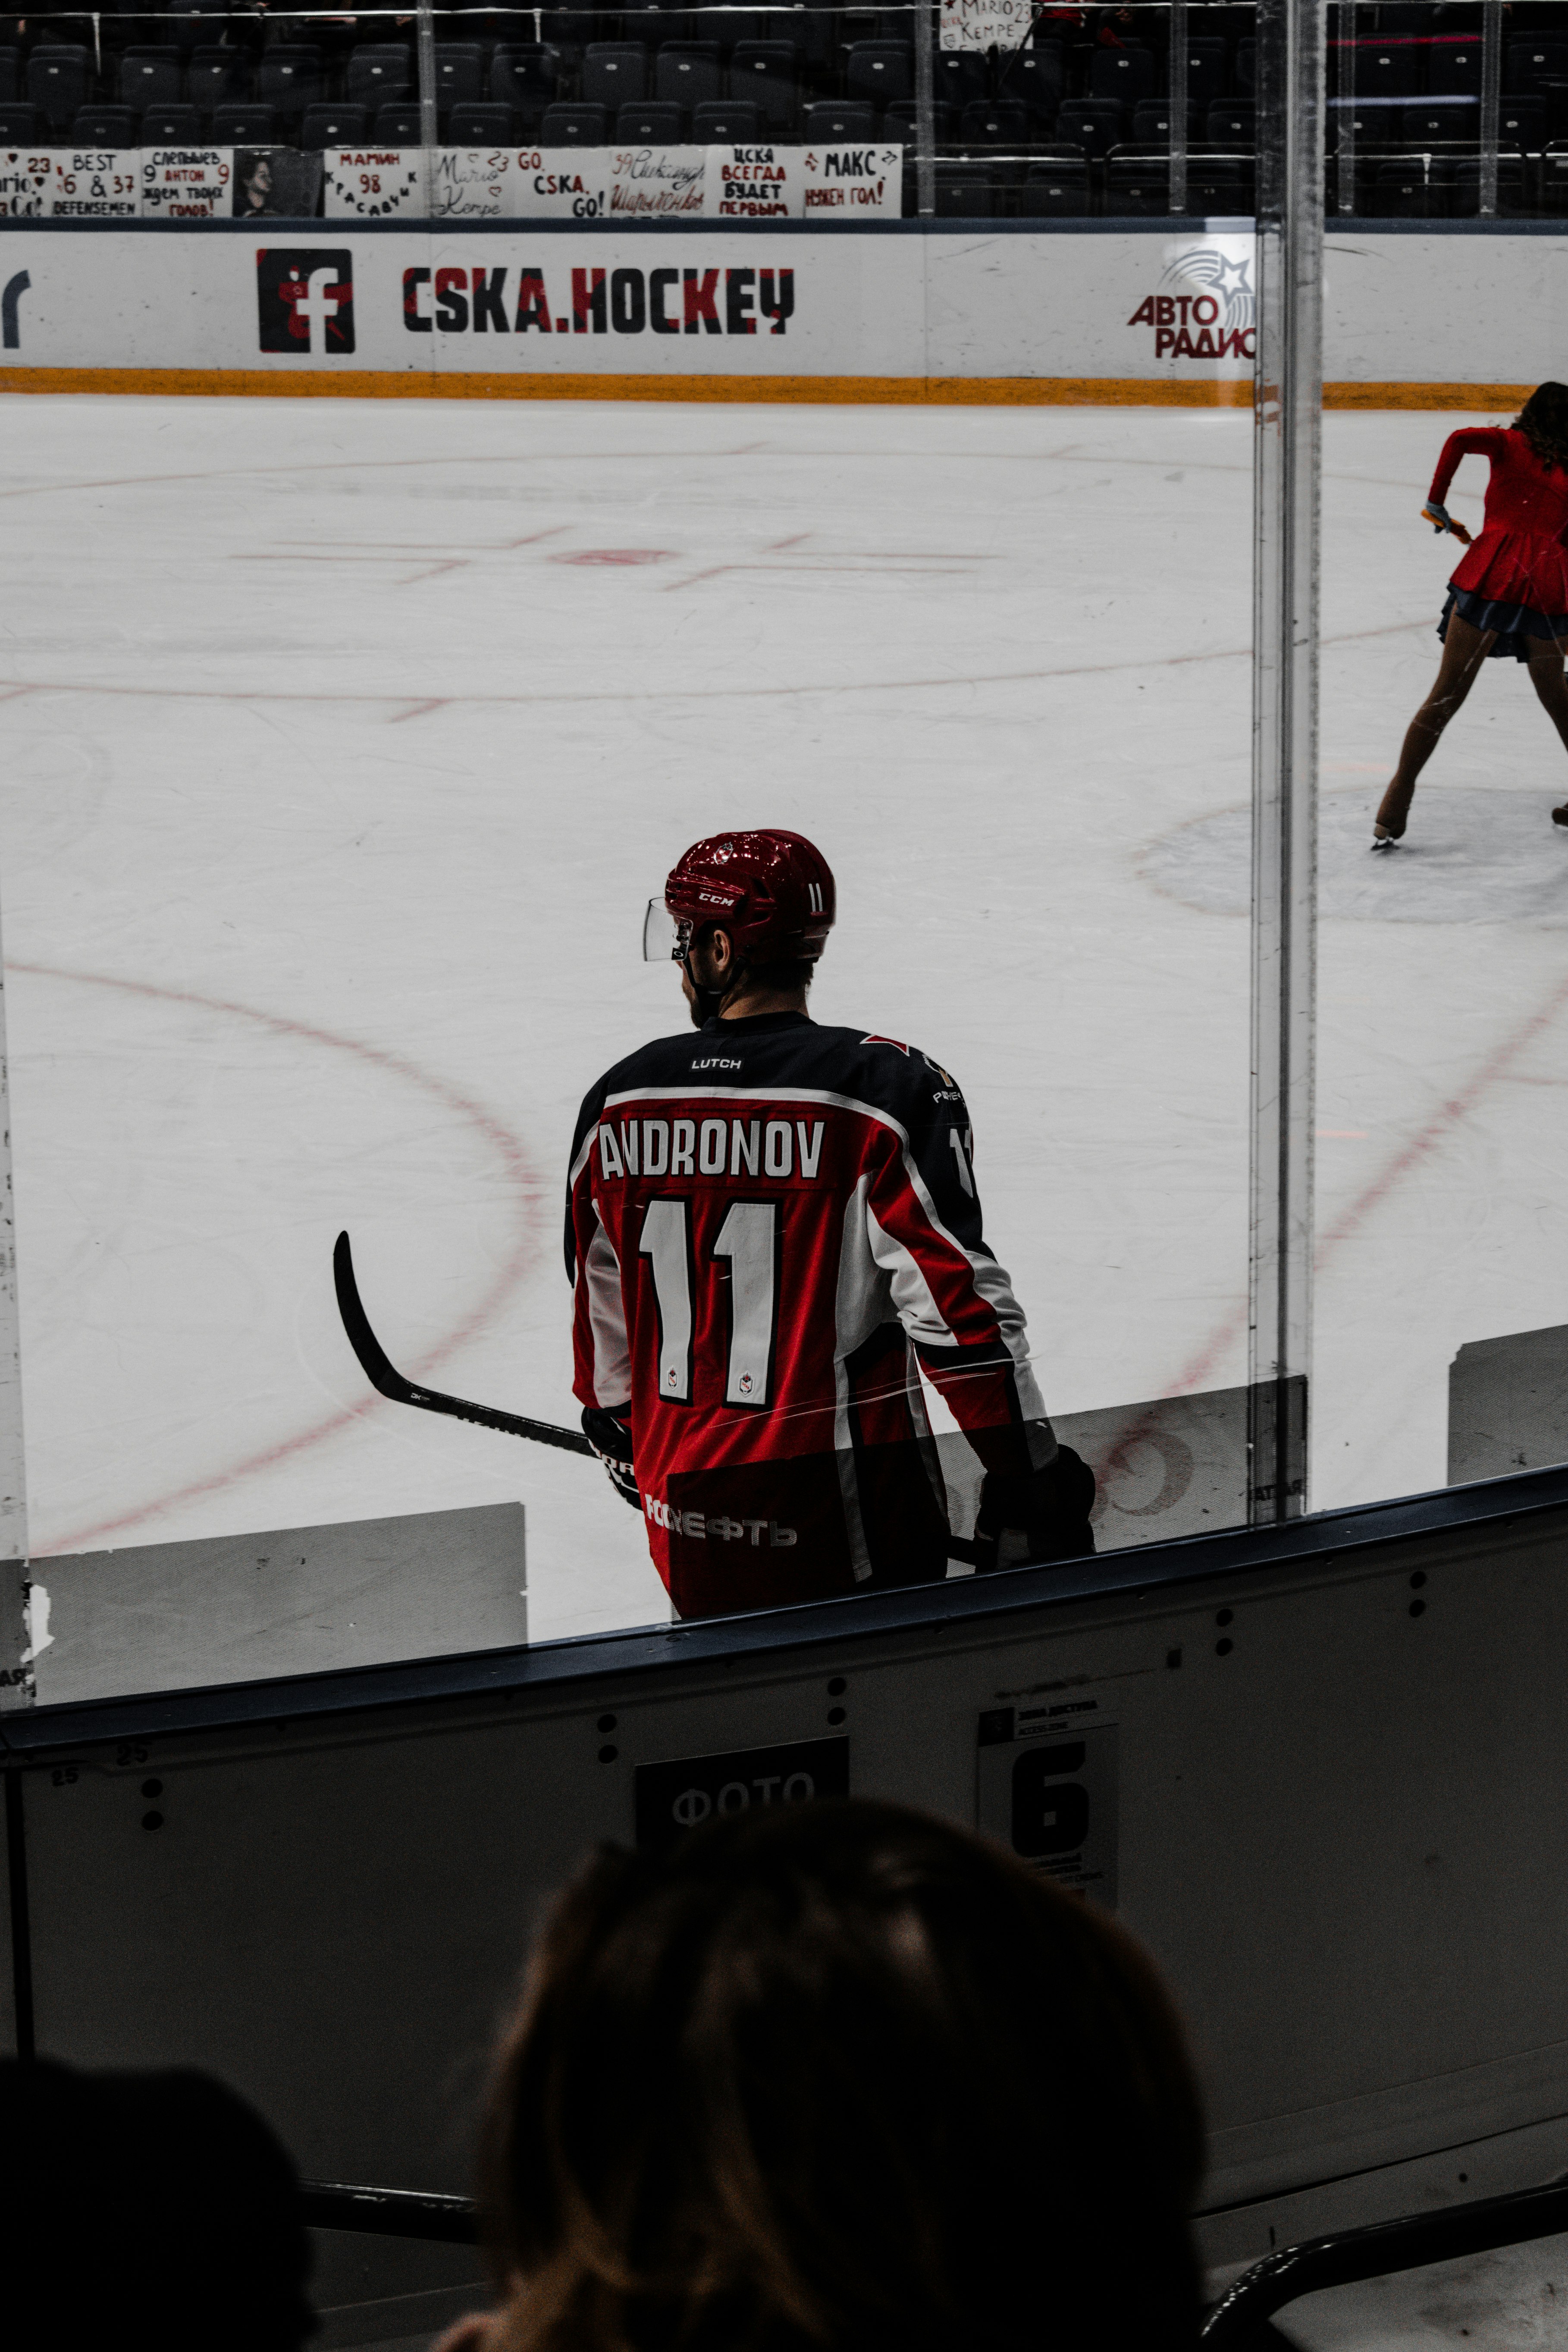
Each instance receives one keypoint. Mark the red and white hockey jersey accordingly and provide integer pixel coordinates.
(767, 1222)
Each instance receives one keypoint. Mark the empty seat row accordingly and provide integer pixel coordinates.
(1445, 66)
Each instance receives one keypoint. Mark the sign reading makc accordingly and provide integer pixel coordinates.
(674, 1798)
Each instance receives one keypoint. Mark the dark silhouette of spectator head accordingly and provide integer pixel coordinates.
(152, 2208)
(840, 2077)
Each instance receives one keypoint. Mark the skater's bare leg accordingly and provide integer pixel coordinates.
(1464, 650)
(1546, 677)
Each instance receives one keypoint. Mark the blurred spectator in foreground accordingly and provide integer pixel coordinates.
(837, 2077)
(146, 2208)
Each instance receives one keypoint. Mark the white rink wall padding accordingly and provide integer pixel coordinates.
(347, 740)
(561, 308)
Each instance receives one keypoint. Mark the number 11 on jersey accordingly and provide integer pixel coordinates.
(748, 1242)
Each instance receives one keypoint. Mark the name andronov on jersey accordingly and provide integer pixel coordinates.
(719, 1527)
(710, 1147)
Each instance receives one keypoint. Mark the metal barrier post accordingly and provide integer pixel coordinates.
(1491, 104)
(1285, 441)
(429, 129)
(925, 109)
(1345, 113)
(1177, 80)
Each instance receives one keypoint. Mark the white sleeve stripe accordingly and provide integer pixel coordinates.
(600, 1273)
(582, 1159)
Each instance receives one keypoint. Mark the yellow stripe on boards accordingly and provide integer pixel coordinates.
(1000, 392)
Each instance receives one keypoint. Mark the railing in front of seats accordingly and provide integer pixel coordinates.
(389, 2213)
(1239, 2320)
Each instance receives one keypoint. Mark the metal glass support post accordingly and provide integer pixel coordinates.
(1177, 96)
(1345, 113)
(925, 107)
(1491, 104)
(17, 1682)
(1285, 445)
(429, 129)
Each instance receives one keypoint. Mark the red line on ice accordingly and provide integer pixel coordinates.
(526, 1188)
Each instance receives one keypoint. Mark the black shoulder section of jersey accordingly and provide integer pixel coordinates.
(782, 1050)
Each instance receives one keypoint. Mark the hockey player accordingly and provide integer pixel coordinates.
(767, 1224)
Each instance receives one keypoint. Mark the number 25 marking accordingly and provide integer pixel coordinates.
(748, 1239)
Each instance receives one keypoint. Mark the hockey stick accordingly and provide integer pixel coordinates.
(382, 1374)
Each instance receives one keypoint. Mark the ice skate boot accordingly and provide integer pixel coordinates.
(1560, 815)
(1392, 817)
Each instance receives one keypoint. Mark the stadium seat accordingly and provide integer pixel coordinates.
(1152, 124)
(1093, 124)
(882, 71)
(1247, 69)
(810, 30)
(243, 126)
(1554, 180)
(217, 78)
(1396, 72)
(1056, 190)
(901, 120)
(291, 79)
(1038, 77)
(170, 126)
(377, 73)
(995, 122)
(726, 122)
(1436, 118)
(1402, 191)
(58, 80)
(525, 76)
(459, 74)
(485, 124)
(1231, 122)
(397, 123)
(764, 73)
(1137, 185)
(959, 76)
(1461, 177)
(963, 193)
(326, 126)
(729, 26)
(651, 122)
(195, 24)
(1534, 65)
(688, 73)
(1521, 123)
(569, 29)
(575, 123)
(1221, 183)
(1125, 75)
(104, 126)
(1454, 69)
(842, 122)
(1206, 70)
(18, 124)
(613, 72)
(150, 77)
(651, 22)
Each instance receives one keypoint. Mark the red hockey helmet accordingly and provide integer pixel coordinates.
(773, 891)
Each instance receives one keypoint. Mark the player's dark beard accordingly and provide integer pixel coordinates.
(707, 1003)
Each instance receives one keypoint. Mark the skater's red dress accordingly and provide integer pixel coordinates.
(1514, 579)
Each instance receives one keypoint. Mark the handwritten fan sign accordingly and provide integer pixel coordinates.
(561, 183)
(26, 180)
(658, 183)
(750, 184)
(95, 184)
(373, 183)
(472, 183)
(851, 182)
(185, 183)
(985, 23)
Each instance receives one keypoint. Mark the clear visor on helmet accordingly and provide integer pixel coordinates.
(663, 939)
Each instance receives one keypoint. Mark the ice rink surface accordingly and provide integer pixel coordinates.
(346, 740)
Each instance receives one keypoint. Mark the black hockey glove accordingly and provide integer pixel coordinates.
(610, 1436)
(1036, 1515)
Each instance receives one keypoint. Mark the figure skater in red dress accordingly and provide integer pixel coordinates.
(1510, 594)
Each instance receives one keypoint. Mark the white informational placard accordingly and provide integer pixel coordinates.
(26, 179)
(473, 182)
(373, 183)
(985, 23)
(658, 183)
(186, 182)
(560, 183)
(851, 182)
(95, 184)
(751, 183)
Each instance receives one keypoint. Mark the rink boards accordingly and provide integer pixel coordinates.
(1317, 1769)
(1082, 312)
